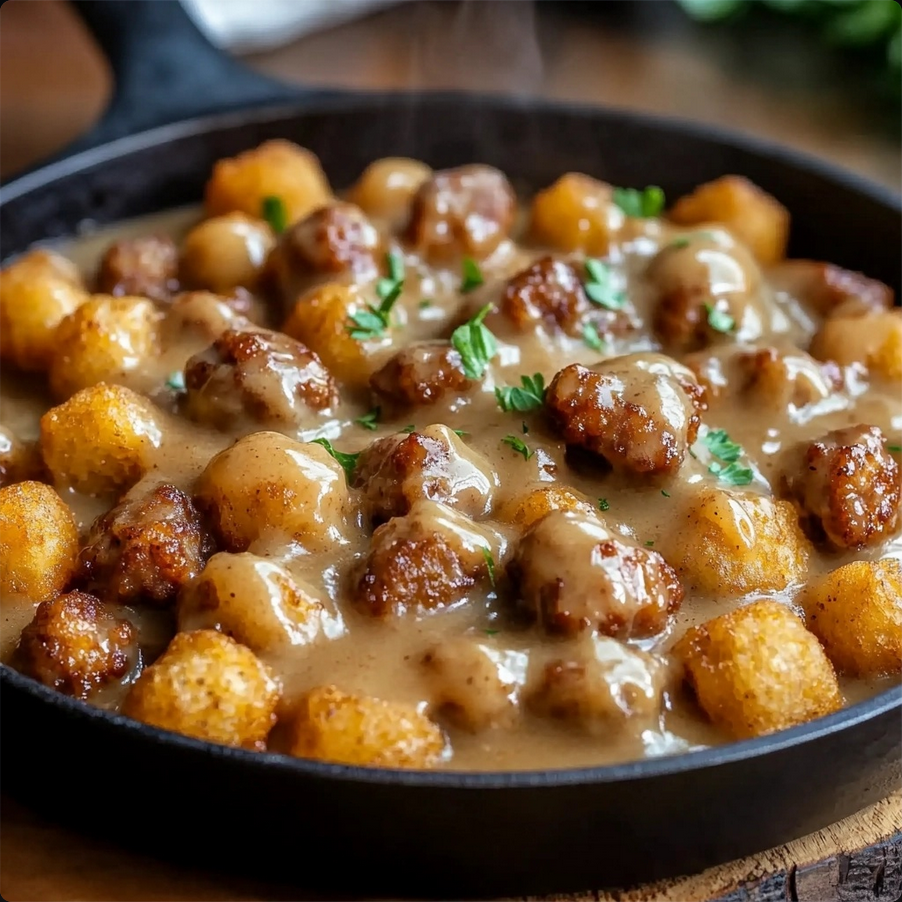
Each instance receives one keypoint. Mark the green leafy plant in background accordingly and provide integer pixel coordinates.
(843, 23)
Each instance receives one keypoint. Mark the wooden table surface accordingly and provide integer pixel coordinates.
(774, 82)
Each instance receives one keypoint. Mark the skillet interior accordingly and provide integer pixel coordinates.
(451, 834)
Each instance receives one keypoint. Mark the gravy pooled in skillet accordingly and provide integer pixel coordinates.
(416, 476)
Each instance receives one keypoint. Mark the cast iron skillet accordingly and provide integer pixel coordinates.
(427, 834)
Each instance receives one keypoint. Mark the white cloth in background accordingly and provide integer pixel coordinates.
(244, 26)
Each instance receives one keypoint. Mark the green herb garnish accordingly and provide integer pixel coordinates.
(475, 344)
(472, 275)
(529, 397)
(592, 338)
(460, 433)
(176, 381)
(642, 204)
(409, 429)
(370, 419)
(491, 632)
(679, 243)
(425, 303)
(275, 213)
(373, 321)
(599, 286)
(895, 449)
(719, 320)
(348, 461)
(649, 544)
(490, 563)
(665, 493)
(518, 445)
(733, 473)
(603, 504)
(722, 446)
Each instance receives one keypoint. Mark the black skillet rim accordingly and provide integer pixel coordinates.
(665, 765)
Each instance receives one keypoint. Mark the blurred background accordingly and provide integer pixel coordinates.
(821, 75)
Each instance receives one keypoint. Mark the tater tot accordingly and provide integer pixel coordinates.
(108, 339)
(529, 507)
(225, 252)
(332, 725)
(38, 541)
(737, 542)
(872, 339)
(267, 482)
(386, 187)
(36, 292)
(757, 670)
(576, 213)
(856, 612)
(752, 215)
(207, 686)
(276, 168)
(101, 440)
(321, 319)
(254, 600)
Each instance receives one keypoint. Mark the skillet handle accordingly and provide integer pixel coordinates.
(165, 70)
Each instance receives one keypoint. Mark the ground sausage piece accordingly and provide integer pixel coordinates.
(462, 212)
(571, 575)
(146, 548)
(431, 558)
(596, 684)
(335, 239)
(640, 412)
(421, 373)
(146, 266)
(826, 289)
(265, 375)
(847, 486)
(550, 292)
(396, 471)
(75, 645)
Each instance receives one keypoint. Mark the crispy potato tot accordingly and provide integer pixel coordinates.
(267, 482)
(108, 339)
(207, 686)
(576, 213)
(332, 725)
(36, 293)
(321, 319)
(38, 541)
(737, 542)
(274, 169)
(101, 440)
(76, 644)
(255, 601)
(386, 187)
(872, 339)
(757, 670)
(226, 252)
(752, 215)
(528, 508)
(856, 612)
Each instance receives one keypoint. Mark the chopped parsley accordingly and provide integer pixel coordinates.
(603, 504)
(491, 632)
(176, 381)
(275, 213)
(665, 493)
(373, 321)
(599, 286)
(896, 449)
(733, 473)
(475, 344)
(409, 429)
(530, 397)
(722, 446)
(348, 461)
(518, 445)
(719, 320)
(649, 544)
(460, 433)
(592, 338)
(370, 419)
(642, 204)
(472, 276)
(425, 303)
(490, 564)
(679, 243)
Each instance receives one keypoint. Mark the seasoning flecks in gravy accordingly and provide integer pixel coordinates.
(420, 477)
